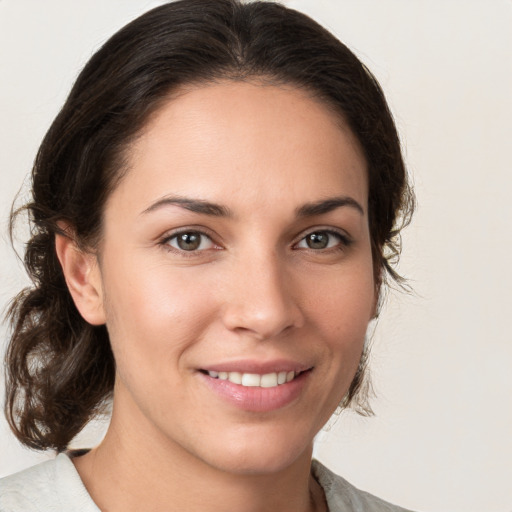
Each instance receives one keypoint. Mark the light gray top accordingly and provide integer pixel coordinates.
(55, 486)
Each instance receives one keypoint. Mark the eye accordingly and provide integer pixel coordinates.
(325, 239)
(190, 241)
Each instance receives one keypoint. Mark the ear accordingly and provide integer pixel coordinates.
(83, 277)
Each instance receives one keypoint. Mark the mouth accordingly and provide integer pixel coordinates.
(257, 386)
(255, 380)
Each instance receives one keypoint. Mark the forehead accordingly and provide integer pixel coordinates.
(229, 140)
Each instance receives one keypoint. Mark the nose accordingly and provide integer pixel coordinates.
(261, 302)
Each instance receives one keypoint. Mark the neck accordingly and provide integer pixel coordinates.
(143, 471)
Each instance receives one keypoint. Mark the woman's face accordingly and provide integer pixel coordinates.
(236, 255)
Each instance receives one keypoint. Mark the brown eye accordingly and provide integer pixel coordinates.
(190, 241)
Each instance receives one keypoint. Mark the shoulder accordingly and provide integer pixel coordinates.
(51, 486)
(342, 496)
(28, 489)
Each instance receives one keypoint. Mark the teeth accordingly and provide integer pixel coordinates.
(251, 379)
(235, 377)
(268, 380)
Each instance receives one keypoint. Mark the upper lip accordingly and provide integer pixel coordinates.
(259, 367)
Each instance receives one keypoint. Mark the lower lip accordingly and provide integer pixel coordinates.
(257, 399)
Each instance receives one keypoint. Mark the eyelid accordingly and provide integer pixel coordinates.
(200, 230)
(345, 239)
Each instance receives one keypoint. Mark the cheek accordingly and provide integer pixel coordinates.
(153, 316)
(340, 314)
(343, 301)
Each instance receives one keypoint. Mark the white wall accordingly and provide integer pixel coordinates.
(442, 359)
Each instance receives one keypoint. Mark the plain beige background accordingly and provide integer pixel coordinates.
(442, 358)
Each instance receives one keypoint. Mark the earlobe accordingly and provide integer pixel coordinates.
(83, 278)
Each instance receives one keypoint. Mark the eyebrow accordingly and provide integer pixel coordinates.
(328, 205)
(216, 210)
(194, 205)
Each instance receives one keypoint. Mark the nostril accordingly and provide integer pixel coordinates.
(263, 321)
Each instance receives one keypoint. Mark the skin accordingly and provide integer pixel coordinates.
(254, 290)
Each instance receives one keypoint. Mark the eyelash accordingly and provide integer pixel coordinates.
(165, 242)
(344, 241)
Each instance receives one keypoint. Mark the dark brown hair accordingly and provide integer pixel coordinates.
(60, 370)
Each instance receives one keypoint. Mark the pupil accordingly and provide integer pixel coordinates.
(189, 241)
(317, 240)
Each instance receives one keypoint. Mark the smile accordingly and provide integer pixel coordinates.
(257, 386)
(267, 380)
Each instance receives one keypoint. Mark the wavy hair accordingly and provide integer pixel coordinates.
(60, 370)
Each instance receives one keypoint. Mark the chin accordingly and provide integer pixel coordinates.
(256, 464)
(258, 454)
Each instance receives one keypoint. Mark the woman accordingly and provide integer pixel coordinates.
(216, 209)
